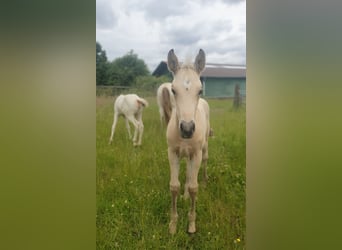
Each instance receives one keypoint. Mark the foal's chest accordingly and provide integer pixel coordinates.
(185, 149)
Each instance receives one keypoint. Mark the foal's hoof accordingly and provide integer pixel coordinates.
(192, 228)
(135, 144)
(172, 227)
(110, 143)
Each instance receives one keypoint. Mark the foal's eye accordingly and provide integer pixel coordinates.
(173, 91)
(200, 92)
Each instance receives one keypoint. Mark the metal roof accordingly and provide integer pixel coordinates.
(224, 70)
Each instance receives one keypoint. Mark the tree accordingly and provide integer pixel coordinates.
(125, 70)
(102, 65)
(151, 82)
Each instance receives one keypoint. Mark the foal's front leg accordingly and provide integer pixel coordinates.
(195, 164)
(187, 180)
(174, 188)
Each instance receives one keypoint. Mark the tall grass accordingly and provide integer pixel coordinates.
(132, 184)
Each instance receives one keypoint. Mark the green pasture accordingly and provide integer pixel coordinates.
(132, 184)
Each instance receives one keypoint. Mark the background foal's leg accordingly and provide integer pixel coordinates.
(161, 116)
(128, 128)
(132, 119)
(140, 127)
(113, 127)
(174, 188)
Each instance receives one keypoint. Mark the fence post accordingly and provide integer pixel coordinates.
(237, 97)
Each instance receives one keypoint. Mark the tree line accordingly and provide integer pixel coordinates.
(128, 70)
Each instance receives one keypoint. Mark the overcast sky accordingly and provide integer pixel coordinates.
(152, 27)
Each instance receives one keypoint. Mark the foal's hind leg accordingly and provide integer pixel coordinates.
(140, 127)
(136, 128)
(204, 162)
(113, 127)
(128, 128)
(161, 116)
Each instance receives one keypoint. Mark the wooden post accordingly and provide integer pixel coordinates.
(237, 97)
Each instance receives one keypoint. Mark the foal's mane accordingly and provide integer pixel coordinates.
(187, 64)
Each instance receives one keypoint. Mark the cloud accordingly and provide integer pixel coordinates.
(153, 27)
(159, 10)
(232, 1)
(105, 17)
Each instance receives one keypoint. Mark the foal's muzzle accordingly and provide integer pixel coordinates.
(187, 129)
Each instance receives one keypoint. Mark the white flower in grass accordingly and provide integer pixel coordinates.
(126, 201)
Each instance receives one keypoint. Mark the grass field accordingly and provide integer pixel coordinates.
(132, 184)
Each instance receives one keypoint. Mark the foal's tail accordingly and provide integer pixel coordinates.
(142, 101)
(166, 104)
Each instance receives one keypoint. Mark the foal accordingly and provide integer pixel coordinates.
(187, 132)
(130, 106)
(166, 102)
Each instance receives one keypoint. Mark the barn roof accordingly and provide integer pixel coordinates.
(161, 69)
(224, 70)
(211, 70)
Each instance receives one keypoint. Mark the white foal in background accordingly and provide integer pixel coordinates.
(130, 106)
(166, 102)
(187, 132)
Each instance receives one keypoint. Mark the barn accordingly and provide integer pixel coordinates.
(219, 80)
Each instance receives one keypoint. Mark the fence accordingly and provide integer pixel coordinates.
(105, 90)
(110, 90)
(117, 90)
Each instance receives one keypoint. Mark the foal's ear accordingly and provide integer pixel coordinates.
(200, 61)
(172, 62)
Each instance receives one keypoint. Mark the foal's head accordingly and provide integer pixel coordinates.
(187, 88)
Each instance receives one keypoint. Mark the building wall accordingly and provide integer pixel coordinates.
(223, 87)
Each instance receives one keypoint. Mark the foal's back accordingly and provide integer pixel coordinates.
(127, 104)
